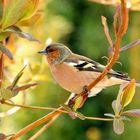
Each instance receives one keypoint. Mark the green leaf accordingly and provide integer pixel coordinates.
(6, 51)
(78, 102)
(31, 6)
(18, 31)
(128, 93)
(31, 21)
(16, 79)
(6, 94)
(118, 126)
(24, 87)
(17, 10)
(13, 11)
(132, 113)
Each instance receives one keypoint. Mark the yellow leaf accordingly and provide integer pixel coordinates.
(17, 10)
(128, 93)
(78, 102)
(125, 95)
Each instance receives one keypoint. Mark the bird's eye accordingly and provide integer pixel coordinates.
(48, 47)
(50, 50)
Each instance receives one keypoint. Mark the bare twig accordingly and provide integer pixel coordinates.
(115, 22)
(106, 31)
(126, 47)
(46, 118)
(35, 107)
(55, 117)
(48, 108)
(98, 119)
(121, 32)
(35, 124)
(44, 128)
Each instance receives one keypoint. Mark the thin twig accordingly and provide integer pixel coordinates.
(35, 107)
(128, 46)
(99, 119)
(115, 22)
(121, 32)
(46, 118)
(48, 108)
(106, 31)
(44, 128)
(35, 124)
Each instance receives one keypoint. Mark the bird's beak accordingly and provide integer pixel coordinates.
(43, 52)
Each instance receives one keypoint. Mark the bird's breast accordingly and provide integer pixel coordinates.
(72, 79)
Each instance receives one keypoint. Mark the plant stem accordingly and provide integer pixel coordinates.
(45, 127)
(35, 124)
(122, 30)
(98, 119)
(35, 107)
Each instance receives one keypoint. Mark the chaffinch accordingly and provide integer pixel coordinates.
(73, 72)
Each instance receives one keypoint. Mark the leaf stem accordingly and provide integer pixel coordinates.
(98, 119)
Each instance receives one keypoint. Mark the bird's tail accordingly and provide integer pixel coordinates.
(128, 79)
(121, 80)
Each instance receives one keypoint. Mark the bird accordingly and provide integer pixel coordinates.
(73, 72)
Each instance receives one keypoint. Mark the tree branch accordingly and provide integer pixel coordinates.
(35, 124)
(35, 107)
(44, 128)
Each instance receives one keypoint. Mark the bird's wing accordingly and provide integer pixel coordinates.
(82, 63)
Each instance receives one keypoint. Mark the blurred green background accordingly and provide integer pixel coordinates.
(77, 24)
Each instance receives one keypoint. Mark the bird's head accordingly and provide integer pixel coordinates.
(56, 53)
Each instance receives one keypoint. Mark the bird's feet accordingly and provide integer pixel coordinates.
(85, 89)
(72, 102)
